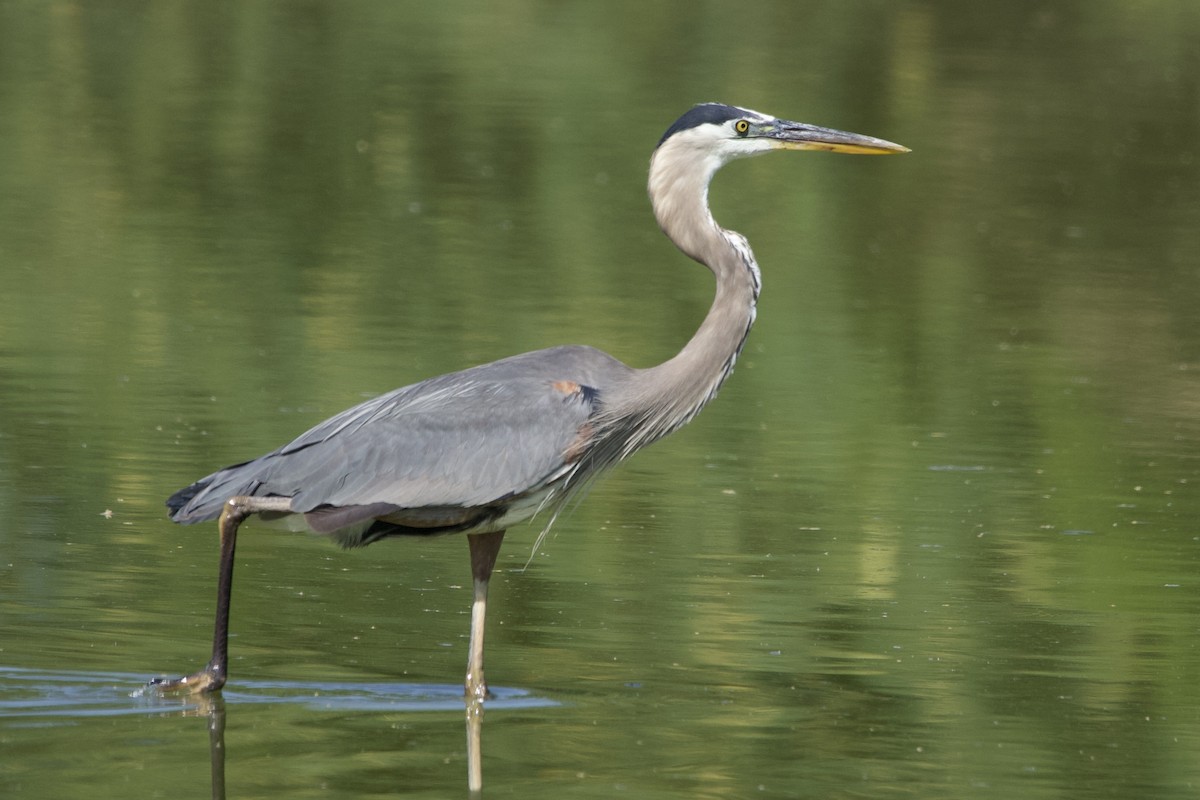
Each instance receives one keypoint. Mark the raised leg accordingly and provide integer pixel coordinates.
(484, 549)
(212, 676)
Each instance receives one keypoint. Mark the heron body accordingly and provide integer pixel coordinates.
(467, 452)
(480, 450)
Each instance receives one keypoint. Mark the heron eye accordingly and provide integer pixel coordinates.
(742, 127)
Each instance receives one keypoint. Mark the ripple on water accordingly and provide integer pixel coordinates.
(40, 698)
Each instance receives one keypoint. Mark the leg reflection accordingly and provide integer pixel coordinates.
(216, 746)
(212, 707)
(474, 744)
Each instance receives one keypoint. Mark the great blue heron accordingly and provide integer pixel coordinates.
(479, 450)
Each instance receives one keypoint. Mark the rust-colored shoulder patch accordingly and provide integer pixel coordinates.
(567, 387)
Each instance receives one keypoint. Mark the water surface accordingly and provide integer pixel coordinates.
(938, 536)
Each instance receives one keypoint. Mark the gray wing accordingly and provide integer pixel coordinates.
(463, 440)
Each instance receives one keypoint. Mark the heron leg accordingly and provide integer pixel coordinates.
(484, 549)
(212, 676)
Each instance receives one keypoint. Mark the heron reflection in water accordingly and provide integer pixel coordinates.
(477, 451)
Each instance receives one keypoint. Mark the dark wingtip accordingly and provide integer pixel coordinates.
(177, 501)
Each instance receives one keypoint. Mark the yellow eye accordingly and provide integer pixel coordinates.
(742, 127)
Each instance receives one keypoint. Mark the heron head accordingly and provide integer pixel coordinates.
(727, 132)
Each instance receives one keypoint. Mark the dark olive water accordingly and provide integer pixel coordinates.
(938, 537)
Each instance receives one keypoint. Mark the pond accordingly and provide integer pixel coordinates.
(939, 536)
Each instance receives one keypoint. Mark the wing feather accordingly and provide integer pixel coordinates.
(464, 440)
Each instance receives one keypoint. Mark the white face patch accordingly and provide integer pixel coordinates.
(722, 142)
(737, 145)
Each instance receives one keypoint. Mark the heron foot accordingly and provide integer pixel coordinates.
(206, 681)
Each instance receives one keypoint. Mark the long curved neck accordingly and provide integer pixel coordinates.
(660, 399)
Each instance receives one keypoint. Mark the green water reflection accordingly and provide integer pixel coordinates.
(937, 538)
